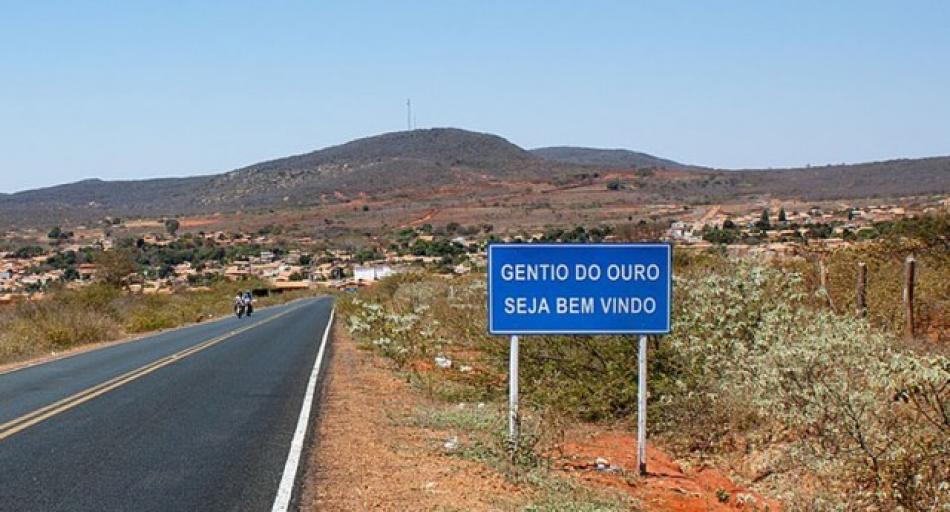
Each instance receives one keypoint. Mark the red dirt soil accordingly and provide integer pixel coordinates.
(198, 222)
(421, 220)
(667, 487)
(367, 456)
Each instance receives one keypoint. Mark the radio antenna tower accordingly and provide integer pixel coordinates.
(408, 114)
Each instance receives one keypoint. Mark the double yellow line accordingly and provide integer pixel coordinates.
(44, 413)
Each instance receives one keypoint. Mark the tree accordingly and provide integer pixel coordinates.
(820, 231)
(764, 223)
(57, 234)
(613, 185)
(165, 271)
(171, 226)
(112, 267)
(781, 215)
(366, 254)
(70, 274)
(30, 251)
(721, 236)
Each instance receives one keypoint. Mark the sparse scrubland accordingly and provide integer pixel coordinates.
(100, 312)
(461, 167)
(814, 405)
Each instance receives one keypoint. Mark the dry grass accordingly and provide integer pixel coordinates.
(98, 313)
(885, 284)
(756, 364)
(401, 463)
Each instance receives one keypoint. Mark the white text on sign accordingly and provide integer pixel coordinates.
(580, 305)
(581, 272)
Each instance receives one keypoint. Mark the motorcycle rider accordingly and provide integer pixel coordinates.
(239, 304)
(247, 299)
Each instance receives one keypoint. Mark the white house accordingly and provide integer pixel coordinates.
(372, 272)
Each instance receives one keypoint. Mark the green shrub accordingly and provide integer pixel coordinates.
(752, 355)
(755, 359)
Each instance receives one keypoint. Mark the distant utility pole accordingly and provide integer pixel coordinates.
(408, 114)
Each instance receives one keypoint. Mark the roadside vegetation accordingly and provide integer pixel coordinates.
(926, 229)
(104, 312)
(419, 452)
(481, 431)
(135, 255)
(813, 404)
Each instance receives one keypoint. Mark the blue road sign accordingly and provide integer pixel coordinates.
(579, 288)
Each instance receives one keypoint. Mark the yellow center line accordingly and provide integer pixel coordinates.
(32, 418)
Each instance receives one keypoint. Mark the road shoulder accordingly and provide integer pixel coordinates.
(368, 456)
(382, 444)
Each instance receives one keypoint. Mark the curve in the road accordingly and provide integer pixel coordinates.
(44, 413)
(197, 419)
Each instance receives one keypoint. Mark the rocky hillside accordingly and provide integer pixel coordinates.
(890, 178)
(409, 160)
(412, 164)
(94, 199)
(608, 158)
(381, 165)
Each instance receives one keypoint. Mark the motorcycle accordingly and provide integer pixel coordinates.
(242, 309)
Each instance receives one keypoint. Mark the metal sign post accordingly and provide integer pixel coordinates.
(513, 421)
(642, 407)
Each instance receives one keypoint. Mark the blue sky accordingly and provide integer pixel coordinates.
(129, 89)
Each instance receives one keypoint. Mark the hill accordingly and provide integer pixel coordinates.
(94, 199)
(385, 163)
(447, 146)
(610, 158)
(884, 179)
(412, 166)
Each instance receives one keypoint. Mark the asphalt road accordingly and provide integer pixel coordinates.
(200, 418)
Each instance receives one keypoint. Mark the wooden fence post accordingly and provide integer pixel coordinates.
(860, 290)
(823, 279)
(910, 268)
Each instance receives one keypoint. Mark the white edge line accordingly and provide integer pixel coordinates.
(286, 489)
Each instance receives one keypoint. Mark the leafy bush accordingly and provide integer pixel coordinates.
(754, 359)
(754, 362)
